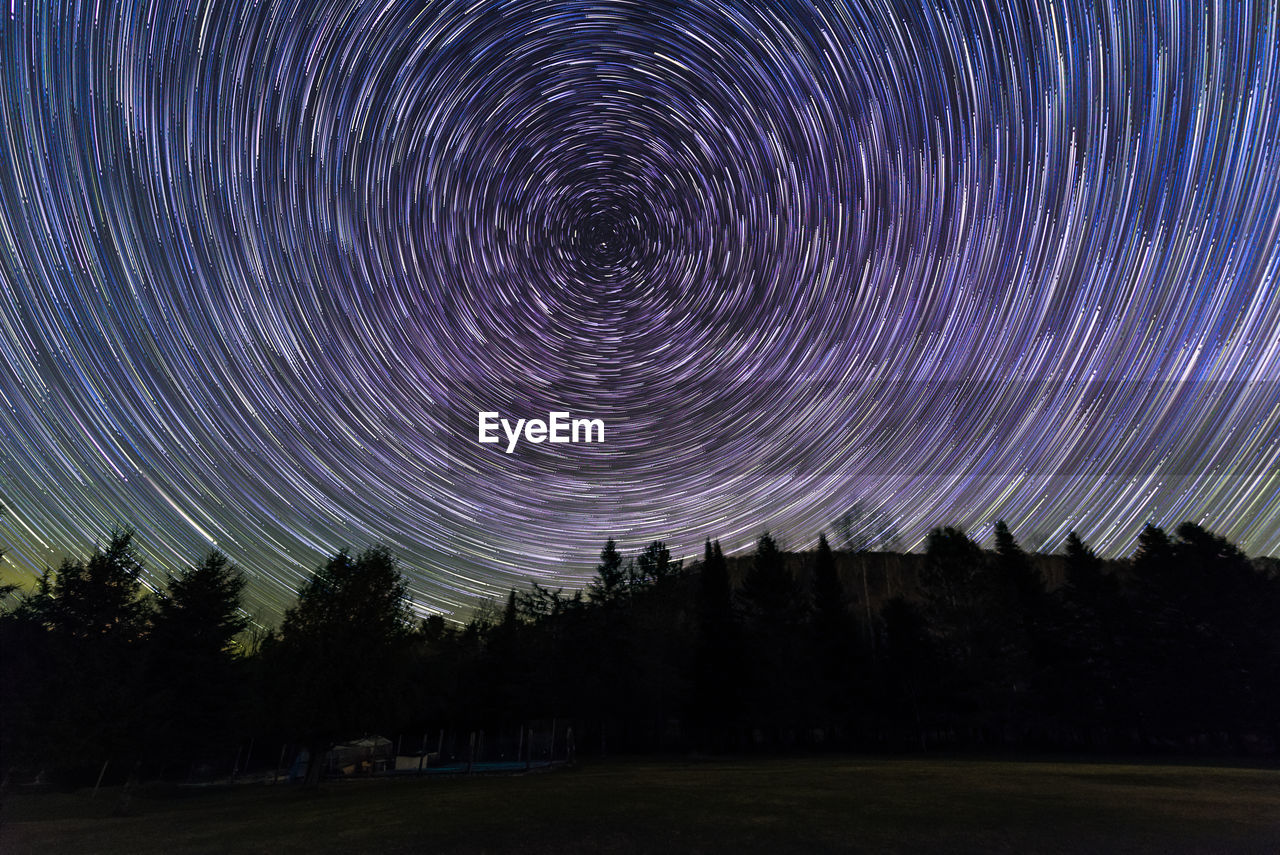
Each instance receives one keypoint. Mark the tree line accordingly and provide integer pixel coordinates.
(1176, 648)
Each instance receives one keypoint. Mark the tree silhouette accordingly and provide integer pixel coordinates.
(99, 598)
(775, 619)
(1015, 579)
(717, 675)
(769, 593)
(1018, 626)
(1175, 648)
(654, 565)
(1227, 663)
(340, 651)
(834, 638)
(830, 610)
(956, 595)
(909, 674)
(611, 579)
(1086, 683)
(954, 589)
(95, 615)
(24, 668)
(193, 676)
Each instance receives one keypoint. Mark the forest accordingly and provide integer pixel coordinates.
(1174, 649)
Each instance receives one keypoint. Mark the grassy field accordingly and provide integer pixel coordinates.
(766, 806)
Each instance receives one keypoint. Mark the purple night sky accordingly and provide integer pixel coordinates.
(262, 264)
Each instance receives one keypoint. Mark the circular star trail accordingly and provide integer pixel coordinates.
(263, 263)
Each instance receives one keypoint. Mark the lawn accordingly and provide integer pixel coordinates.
(767, 806)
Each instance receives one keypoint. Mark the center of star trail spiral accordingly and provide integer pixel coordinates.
(263, 264)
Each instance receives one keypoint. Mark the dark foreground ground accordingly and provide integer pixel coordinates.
(766, 806)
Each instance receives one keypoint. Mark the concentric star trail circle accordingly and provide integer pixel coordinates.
(263, 264)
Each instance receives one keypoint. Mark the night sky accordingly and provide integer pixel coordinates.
(261, 264)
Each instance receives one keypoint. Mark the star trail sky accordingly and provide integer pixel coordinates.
(261, 264)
